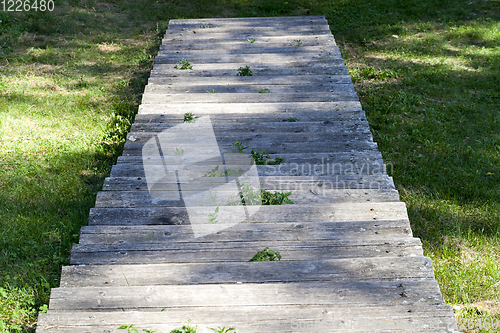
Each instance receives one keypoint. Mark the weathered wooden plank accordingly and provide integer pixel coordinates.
(223, 32)
(182, 88)
(300, 80)
(355, 211)
(245, 46)
(227, 49)
(322, 67)
(284, 111)
(293, 318)
(335, 159)
(259, 42)
(224, 252)
(437, 324)
(296, 24)
(172, 57)
(378, 293)
(249, 138)
(164, 193)
(358, 269)
(133, 149)
(302, 193)
(298, 182)
(248, 48)
(258, 69)
(249, 21)
(203, 169)
(268, 127)
(142, 254)
(153, 98)
(239, 34)
(248, 232)
(325, 113)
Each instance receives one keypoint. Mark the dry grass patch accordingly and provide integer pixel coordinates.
(107, 48)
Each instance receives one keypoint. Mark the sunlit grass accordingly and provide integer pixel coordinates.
(431, 93)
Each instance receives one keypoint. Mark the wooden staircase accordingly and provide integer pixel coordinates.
(152, 259)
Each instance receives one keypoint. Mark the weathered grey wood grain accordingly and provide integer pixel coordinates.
(249, 22)
(244, 33)
(347, 109)
(166, 192)
(305, 231)
(165, 57)
(248, 48)
(260, 319)
(301, 81)
(182, 88)
(152, 98)
(250, 53)
(166, 195)
(355, 211)
(358, 269)
(133, 149)
(255, 138)
(244, 46)
(258, 69)
(302, 192)
(185, 43)
(223, 33)
(242, 314)
(237, 252)
(203, 169)
(318, 293)
(311, 158)
(322, 112)
(295, 24)
(268, 127)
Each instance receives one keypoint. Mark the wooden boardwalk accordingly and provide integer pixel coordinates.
(165, 243)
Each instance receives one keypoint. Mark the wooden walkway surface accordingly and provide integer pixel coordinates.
(157, 254)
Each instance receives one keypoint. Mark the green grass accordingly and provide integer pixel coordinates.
(426, 72)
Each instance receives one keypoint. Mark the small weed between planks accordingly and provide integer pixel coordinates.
(296, 43)
(266, 255)
(222, 329)
(184, 65)
(264, 158)
(132, 329)
(292, 120)
(213, 91)
(228, 173)
(250, 196)
(251, 40)
(259, 158)
(244, 71)
(203, 25)
(276, 198)
(212, 217)
(179, 152)
(189, 117)
(264, 91)
(184, 329)
(239, 147)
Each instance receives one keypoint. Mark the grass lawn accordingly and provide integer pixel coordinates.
(427, 73)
